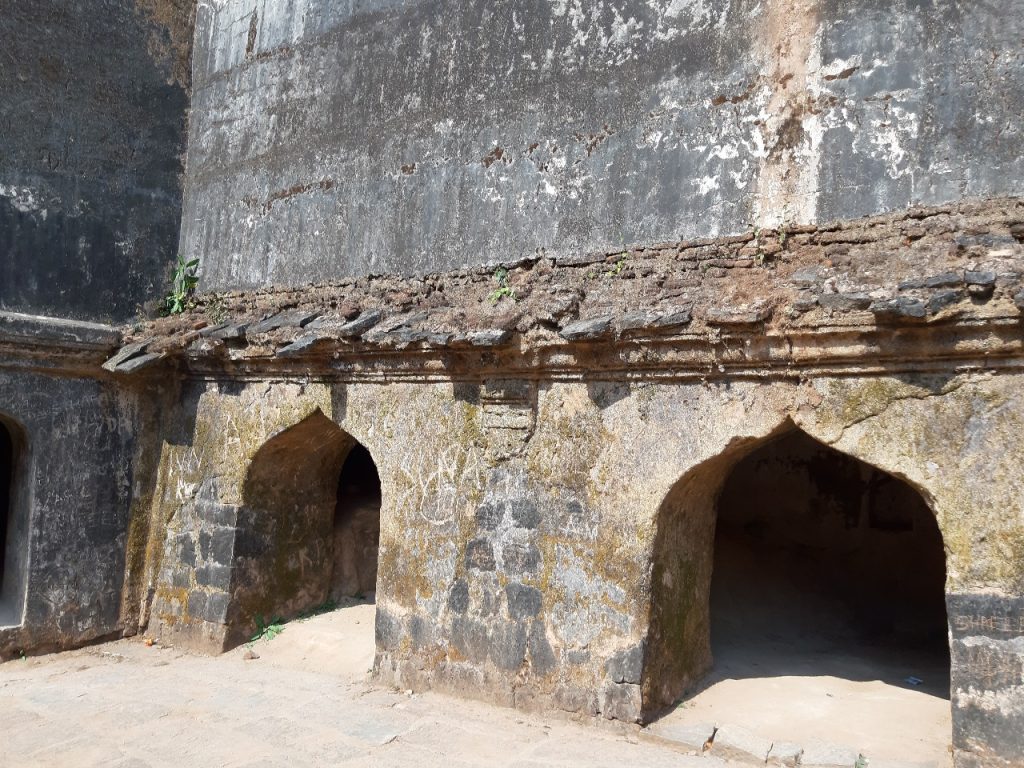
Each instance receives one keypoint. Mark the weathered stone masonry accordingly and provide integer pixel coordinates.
(540, 477)
(723, 226)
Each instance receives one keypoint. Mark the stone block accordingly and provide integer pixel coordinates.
(126, 353)
(491, 337)
(901, 308)
(942, 299)
(626, 665)
(508, 643)
(525, 512)
(586, 330)
(361, 324)
(542, 656)
(138, 363)
(738, 316)
(480, 555)
(523, 602)
(458, 597)
(520, 557)
(216, 576)
(291, 318)
(621, 701)
(302, 345)
(490, 514)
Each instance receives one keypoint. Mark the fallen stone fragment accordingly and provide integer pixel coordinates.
(734, 742)
(127, 352)
(583, 330)
(785, 753)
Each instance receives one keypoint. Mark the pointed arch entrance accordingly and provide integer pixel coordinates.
(13, 528)
(783, 556)
(308, 529)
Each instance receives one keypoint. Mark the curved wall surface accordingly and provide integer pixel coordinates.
(370, 136)
(93, 105)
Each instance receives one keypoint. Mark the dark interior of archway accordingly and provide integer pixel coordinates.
(6, 475)
(825, 565)
(356, 526)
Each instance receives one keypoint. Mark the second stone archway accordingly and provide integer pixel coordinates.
(756, 493)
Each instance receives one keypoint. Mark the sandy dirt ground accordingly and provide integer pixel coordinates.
(838, 698)
(306, 702)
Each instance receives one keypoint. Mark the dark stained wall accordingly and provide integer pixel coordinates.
(93, 105)
(339, 138)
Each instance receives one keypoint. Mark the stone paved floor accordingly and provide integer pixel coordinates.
(124, 705)
(306, 702)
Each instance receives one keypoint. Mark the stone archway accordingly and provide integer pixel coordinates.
(308, 528)
(13, 527)
(785, 539)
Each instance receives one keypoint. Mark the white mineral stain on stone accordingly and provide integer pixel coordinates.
(22, 198)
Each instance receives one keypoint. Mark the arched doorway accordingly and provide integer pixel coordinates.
(13, 525)
(823, 563)
(784, 560)
(308, 530)
(6, 496)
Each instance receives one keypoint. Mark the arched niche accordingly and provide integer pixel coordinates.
(786, 529)
(308, 528)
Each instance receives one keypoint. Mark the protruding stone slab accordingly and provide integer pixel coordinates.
(301, 345)
(585, 330)
(138, 363)
(44, 330)
(361, 324)
(491, 337)
(226, 331)
(126, 353)
(290, 318)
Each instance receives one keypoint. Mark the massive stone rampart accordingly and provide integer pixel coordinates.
(331, 140)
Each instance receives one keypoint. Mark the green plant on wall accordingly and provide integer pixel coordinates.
(503, 290)
(183, 286)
